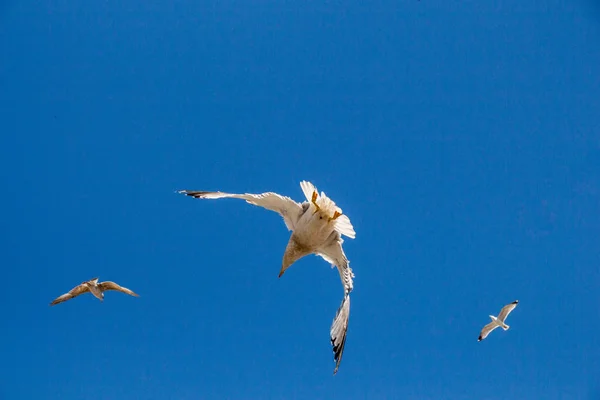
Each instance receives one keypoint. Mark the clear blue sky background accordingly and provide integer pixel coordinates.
(461, 137)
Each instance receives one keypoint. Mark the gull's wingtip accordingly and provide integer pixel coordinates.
(516, 302)
(339, 330)
(195, 193)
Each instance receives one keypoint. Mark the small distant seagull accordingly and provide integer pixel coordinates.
(498, 322)
(317, 227)
(97, 289)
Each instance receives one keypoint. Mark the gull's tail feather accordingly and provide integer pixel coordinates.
(308, 189)
(344, 226)
(505, 327)
(339, 328)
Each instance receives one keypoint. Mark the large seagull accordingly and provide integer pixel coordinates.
(317, 227)
(498, 322)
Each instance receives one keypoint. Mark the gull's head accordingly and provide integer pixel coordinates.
(93, 282)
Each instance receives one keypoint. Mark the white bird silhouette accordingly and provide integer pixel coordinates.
(317, 227)
(498, 322)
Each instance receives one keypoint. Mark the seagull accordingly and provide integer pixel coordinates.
(498, 322)
(97, 289)
(317, 226)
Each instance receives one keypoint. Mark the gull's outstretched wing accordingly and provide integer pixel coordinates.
(76, 291)
(486, 331)
(506, 310)
(339, 328)
(108, 285)
(333, 253)
(286, 207)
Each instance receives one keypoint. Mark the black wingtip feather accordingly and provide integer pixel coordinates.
(338, 349)
(194, 194)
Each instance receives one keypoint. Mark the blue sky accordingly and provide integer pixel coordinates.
(462, 138)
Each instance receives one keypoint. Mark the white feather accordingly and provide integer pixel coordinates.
(344, 226)
(308, 189)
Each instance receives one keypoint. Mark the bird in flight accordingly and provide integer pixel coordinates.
(97, 289)
(317, 226)
(498, 322)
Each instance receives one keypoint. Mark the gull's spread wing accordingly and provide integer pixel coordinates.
(76, 291)
(486, 331)
(284, 206)
(506, 310)
(333, 252)
(108, 285)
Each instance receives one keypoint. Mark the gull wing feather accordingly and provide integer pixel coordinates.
(506, 310)
(486, 331)
(76, 291)
(108, 285)
(333, 253)
(339, 329)
(284, 206)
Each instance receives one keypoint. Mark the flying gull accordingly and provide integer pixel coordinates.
(97, 289)
(317, 227)
(498, 322)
